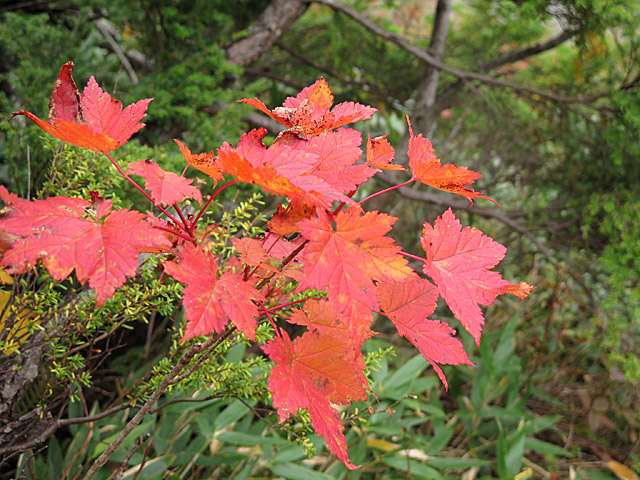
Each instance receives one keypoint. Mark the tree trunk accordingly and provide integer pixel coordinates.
(424, 111)
(271, 25)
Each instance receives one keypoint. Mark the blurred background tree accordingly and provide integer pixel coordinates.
(540, 96)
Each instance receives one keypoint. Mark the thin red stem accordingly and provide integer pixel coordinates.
(386, 190)
(266, 312)
(133, 182)
(338, 208)
(266, 237)
(215, 194)
(271, 293)
(414, 257)
(185, 222)
(173, 232)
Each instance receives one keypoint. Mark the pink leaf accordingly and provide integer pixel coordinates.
(408, 304)
(166, 188)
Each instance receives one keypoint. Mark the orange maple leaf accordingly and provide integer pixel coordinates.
(345, 255)
(93, 120)
(309, 112)
(380, 153)
(205, 162)
(426, 168)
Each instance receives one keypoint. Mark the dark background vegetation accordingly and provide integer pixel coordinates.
(540, 96)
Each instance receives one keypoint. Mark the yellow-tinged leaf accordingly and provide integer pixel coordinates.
(18, 331)
(524, 475)
(621, 471)
(5, 278)
(383, 445)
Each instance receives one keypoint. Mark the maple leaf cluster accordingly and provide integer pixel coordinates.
(319, 238)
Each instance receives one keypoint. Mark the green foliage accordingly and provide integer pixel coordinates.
(614, 217)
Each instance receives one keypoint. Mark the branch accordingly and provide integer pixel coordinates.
(526, 52)
(185, 400)
(107, 33)
(332, 73)
(125, 463)
(159, 391)
(93, 418)
(433, 62)
(464, 205)
(257, 120)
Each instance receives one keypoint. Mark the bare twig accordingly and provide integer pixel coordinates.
(424, 111)
(107, 33)
(159, 391)
(93, 418)
(141, 440)
(526, 52)
(464, 205)
(218, 339)
(184, 400)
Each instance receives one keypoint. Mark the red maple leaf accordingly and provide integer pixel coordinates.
(380, 153)
(93, 120)
(212, 300)
(426, 168)
(166, 188)
(71, 233)
(309, 112)
(408, 304)
(345, 255)
(459, 262)
(313, 372)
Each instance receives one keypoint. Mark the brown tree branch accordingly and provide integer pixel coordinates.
(332, 73)
(506, 58)
(158, 392)
(109, 34)
(526, 52)
(433, 62)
